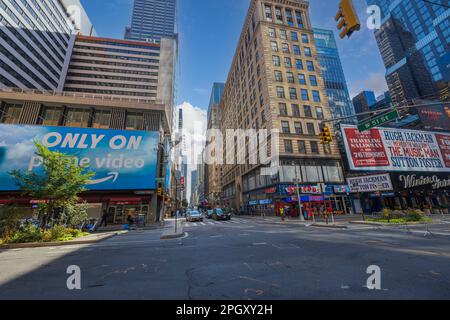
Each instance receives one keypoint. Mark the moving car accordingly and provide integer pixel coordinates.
(219, 214)
(193, 216)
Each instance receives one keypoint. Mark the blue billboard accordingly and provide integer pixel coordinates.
(122, 160)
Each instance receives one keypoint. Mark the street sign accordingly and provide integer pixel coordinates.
(378, 121)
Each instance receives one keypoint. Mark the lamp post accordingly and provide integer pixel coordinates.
(297, 180)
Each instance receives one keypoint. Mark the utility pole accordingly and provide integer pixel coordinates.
(296, 180)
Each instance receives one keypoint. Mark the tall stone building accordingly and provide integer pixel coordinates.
(274, 83)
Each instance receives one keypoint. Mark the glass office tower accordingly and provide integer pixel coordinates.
(333, 75)
(414, 43)
(152, 20)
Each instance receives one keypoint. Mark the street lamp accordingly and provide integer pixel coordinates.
(297, 180)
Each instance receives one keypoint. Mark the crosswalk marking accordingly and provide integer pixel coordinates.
(216, 223)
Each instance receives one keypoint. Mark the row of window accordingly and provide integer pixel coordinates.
(284, 16)
(285, 48)
(304, 94)
(301, 147)
(284, 35)
(298, 127)
(73, 117)
(298, 63)
(290, 78)
(295, 109)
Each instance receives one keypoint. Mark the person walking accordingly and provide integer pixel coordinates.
(282, 213)
(104, 218)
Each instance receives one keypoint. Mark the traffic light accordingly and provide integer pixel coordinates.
(326, 136)
(349, 21)
(159, 192)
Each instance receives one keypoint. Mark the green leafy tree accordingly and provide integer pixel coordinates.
(60, 182)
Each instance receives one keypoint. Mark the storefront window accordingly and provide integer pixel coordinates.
(102, 119)
(333, 174)
(11, 113)
(77, 117)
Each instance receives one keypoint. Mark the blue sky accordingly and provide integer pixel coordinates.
(209, 31)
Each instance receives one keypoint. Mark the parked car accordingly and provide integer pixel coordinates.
(209, 214)
(193, 216)
(219, 214)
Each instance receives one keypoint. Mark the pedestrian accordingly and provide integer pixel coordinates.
(104, 218)
(282, 213)
(130, 220)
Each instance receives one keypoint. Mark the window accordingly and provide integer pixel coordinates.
(77, 118)
(302, 147)
(51, 116)
(310, 66)
(268, 11)
(289, 18)
(298, 128)
(299, 64)
(314, 147)
(296, 50)
(12, 113)
(272, 33)
(311, 129)
(286, 48)
(316, 96)
(290, 77)
(288, 146)
(308, 52)
(278, 14)
(313, 80)
(308, 112)
(319, 113)
(102, 119)
(299, 17)
(283, 109)
(274, 46)
(276, 61)
(288, 62)
(294, 36)
(283, 34)
(135, 121)
(305, 95)
(280, 92)
(305, 38)
(293, 93)
(295, 110)
(301, 78)
(333, 173)
(278, 76)
(285, 127)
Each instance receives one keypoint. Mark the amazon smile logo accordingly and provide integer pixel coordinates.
(111, 176)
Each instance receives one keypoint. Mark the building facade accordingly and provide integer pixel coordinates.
(362, 103)
(152, 20)
(333, 74)
(275, 83)
(413, 39)
(78, 112)
(213, 175)
(36, 38)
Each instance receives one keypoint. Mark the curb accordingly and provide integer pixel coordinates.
(330, 226)
(173, 236)
(368, 223)
(56, 244)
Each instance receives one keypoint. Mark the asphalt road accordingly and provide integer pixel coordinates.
(245, 258)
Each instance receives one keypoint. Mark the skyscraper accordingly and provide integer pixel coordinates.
(333, 75)
(363, 102)
(152, 20)
(413, 39)
(36, 40)
(274, 83)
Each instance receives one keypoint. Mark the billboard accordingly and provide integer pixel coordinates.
(373, 183)
(122, 160)
(386, 149)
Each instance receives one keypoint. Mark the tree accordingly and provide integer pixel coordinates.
(60, 183)
(184, 203)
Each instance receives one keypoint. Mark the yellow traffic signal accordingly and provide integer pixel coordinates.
(159, 192)
(326, 137)
(349, 21)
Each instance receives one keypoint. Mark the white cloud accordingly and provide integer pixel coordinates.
(373, 82)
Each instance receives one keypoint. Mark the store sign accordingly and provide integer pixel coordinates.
(424, 181)
(265, 202)
(434, 117)
(310, 189)
(385, 149)
(253, 203)
(373, 183)
(341, 189)
(270, 190)
(121, 160)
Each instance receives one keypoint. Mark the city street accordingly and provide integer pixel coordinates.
(245, 258)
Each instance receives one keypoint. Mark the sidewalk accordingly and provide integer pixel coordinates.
(172, 231)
